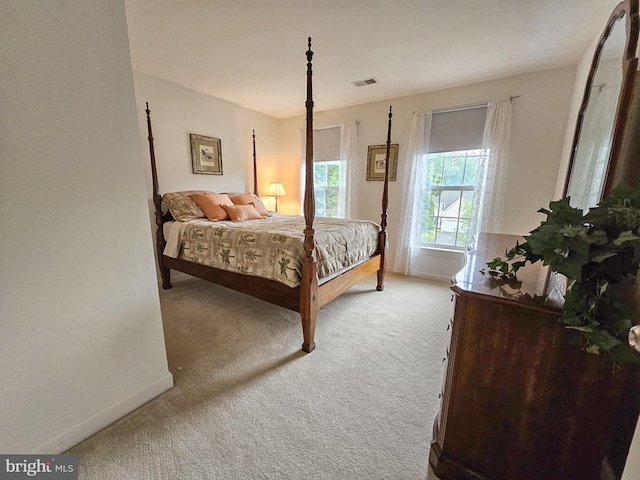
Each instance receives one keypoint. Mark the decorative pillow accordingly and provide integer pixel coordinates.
(183, 209)
(169, 196)
(250, 199)
(240, 213)
(212, 204)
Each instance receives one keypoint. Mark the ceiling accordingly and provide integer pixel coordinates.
(252, 52)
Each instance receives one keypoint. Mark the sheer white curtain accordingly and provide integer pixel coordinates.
(414, 180)
(348, 164)
(587, 176)
(488, 197)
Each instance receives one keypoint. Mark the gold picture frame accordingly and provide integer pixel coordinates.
(206, 154)
(376, 157)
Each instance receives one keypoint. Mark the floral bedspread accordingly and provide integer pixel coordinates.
(272, 247)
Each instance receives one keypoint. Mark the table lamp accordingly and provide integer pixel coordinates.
(276, 189)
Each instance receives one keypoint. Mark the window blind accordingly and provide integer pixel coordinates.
(326, 144)
(457, 129)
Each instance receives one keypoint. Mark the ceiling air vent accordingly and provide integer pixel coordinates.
(366, 81)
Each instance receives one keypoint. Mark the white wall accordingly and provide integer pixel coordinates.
(82, 341)
(538, 127)
(177, 111)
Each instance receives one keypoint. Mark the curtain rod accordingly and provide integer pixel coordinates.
(459, 108)
(468, 106)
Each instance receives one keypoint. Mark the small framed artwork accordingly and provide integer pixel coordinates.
(376, 158)
(206, 154)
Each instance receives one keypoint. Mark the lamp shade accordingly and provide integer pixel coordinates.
(276, 189)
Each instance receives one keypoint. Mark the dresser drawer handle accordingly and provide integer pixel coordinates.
(634, 337)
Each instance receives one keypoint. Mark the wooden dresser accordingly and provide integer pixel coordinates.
(518, 401)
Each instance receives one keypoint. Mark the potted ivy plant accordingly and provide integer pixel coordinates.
(599, 254)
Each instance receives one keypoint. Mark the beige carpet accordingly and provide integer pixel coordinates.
(249, 404)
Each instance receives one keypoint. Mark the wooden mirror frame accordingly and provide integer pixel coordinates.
(623, 168)
(624, 154)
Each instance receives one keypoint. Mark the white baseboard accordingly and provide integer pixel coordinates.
(74, 435)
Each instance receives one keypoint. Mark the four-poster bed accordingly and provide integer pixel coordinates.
(310, 292)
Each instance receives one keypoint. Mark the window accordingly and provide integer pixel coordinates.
(334, 169)
(328, 173)
(455, 176)
(448, 197)
(326, 181)
(451, 165)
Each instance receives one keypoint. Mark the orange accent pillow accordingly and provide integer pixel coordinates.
(212, 204)
(250, 199)
(240, 213)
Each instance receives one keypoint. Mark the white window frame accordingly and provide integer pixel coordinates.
(428, 190)
(320, 211)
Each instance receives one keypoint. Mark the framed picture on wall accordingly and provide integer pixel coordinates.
(376, 160)
(206, 154)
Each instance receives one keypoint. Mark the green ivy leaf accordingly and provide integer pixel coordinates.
(603, 339)
(598, 252)
(582, 329)
(593, 349)
(626, 236)
(622, 354)
(601, 257)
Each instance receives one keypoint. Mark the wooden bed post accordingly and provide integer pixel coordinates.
(255, 167)
(382, 238)
(165, 273)
(309, 282)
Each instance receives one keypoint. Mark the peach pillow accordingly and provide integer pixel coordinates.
(240, 213)
(212, 204)
(250, 199)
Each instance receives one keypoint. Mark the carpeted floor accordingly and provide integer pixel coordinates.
(249, 404)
